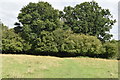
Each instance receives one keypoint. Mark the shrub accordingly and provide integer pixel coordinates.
(13, 43)
(118, 53)
(111, 50)
(82, 45)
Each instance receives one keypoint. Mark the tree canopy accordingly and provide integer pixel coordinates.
(89, 18)
(35, 18)
(75, 31)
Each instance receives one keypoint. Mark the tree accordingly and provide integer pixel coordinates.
(46, 44)
(59, 36)
(51, 42)
(11, 42)
(35, 18)
(89, 18)
(2, 29)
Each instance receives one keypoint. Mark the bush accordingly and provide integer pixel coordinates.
(82, 45)
(111, 50)
(118, 53)
(13, 43)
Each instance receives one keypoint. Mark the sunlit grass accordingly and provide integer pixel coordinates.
(26, 66)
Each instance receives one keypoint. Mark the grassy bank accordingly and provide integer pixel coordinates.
(27, 66)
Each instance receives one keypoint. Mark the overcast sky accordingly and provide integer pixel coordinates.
(9, 9)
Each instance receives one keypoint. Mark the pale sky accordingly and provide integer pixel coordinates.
(9, 9)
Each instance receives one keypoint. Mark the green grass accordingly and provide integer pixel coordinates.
(26, 66)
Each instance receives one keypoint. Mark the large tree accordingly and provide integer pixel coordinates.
(35, 18)
(89, 18)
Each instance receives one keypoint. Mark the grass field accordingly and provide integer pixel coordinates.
(27, 66)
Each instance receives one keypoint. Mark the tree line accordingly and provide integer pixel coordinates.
(82, 30)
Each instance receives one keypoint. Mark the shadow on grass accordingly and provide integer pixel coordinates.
(58, 54)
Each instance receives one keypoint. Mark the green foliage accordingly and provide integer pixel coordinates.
(73, 32)
(37, 18)
(51, 42)
(12, 42)
(82, 45)
(46, 43)
(59, 36)
(3, 27)
(89, 18)
(111, 49)
(118, 55)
